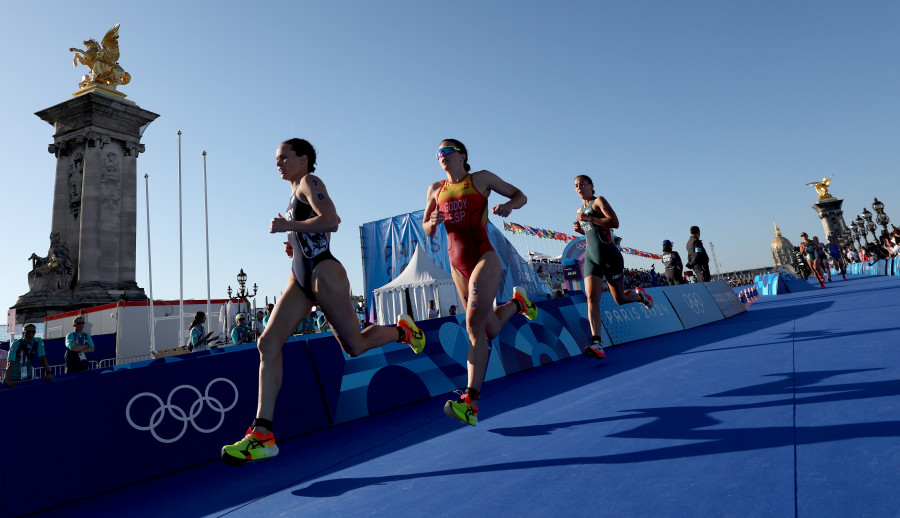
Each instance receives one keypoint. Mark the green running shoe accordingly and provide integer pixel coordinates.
(415, 338)
(463, 409)
(530, 311)
(254, 447)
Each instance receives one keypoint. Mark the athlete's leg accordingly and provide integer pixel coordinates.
(289, 311)
(482, 289)
(593, 288)
(620, 294)
(332, 291)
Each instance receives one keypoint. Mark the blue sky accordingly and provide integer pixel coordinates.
(708, 113)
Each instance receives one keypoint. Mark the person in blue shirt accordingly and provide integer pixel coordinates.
(199, 337)
(21, 355)
(265, 320)
(78, 345)
(241, 334)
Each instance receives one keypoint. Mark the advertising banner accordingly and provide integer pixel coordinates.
(694, 304)
(725, 298)
(388, 245)
(630, 322)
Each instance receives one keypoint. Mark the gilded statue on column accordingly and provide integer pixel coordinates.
(103, 60)
(822, 188)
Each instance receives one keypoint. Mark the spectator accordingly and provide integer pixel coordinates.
(698, 260)
(852, 255)
(269, 309)
(78, 345)
(308, 324)
(239, 333)
(199, 337)
(19, 366)
(259, 322)
(452, 310)
(673, 264)
(322, 324)
(432, 311)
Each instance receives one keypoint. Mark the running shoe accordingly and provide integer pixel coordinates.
(530, 311)
(646, 300)
(415, 338)
(595, 351)
(254, 447)
(463, 409)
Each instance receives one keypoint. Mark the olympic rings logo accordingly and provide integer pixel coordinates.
(179, 414)
(694, 302)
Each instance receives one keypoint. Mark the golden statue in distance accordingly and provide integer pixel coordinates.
(103, 60)
(822, 188)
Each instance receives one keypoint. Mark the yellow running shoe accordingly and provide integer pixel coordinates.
(254, 447)
(463, 409)
(415, 338)
(530, 311)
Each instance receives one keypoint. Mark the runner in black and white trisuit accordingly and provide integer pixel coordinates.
(316, 277)
(602, 259)
(822, 257)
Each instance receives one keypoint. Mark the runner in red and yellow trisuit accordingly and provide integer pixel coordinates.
(460, 204)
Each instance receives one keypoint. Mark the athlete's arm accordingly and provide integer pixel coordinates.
(433, 215)
(486, 181)
(577, 227)
(326, 219)
(609, 218)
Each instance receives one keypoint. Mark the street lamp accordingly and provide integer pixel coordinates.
(242, 291)
(870, 225)
(861, 228)
(881, 217)
(854, 234)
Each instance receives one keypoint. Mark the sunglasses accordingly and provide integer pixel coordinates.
(446, 150)
(79, 323)
(242, 320)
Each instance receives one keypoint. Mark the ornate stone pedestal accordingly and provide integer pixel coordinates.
(91, 259)
(832, 217)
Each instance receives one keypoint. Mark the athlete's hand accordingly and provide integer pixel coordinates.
(502, 210)
(288, 249)
(576, 226)
(437, 217)
(278, 224)
(581, 216)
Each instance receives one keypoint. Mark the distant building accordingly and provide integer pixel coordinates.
(782, 252)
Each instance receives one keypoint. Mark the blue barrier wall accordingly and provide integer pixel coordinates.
(158, 416)
(693, 304)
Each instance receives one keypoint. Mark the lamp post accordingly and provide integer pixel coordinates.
(242, 292)
(861, 229)
(881, 217)
(853, 234)
(870, 225)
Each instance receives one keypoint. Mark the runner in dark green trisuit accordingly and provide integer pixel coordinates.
(602, 258)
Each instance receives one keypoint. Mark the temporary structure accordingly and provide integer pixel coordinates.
(424, 281)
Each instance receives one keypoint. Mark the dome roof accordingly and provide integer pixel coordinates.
(780, 241)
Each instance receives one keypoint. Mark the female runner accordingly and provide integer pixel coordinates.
(316, 278)
(460, 204)
(602, 258)
(808, 251)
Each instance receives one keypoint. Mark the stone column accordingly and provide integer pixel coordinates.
(96, 141)
(832, 217)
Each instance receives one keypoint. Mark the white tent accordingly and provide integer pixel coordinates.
(425, 281)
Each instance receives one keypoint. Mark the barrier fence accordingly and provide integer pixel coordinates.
(166, 414)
